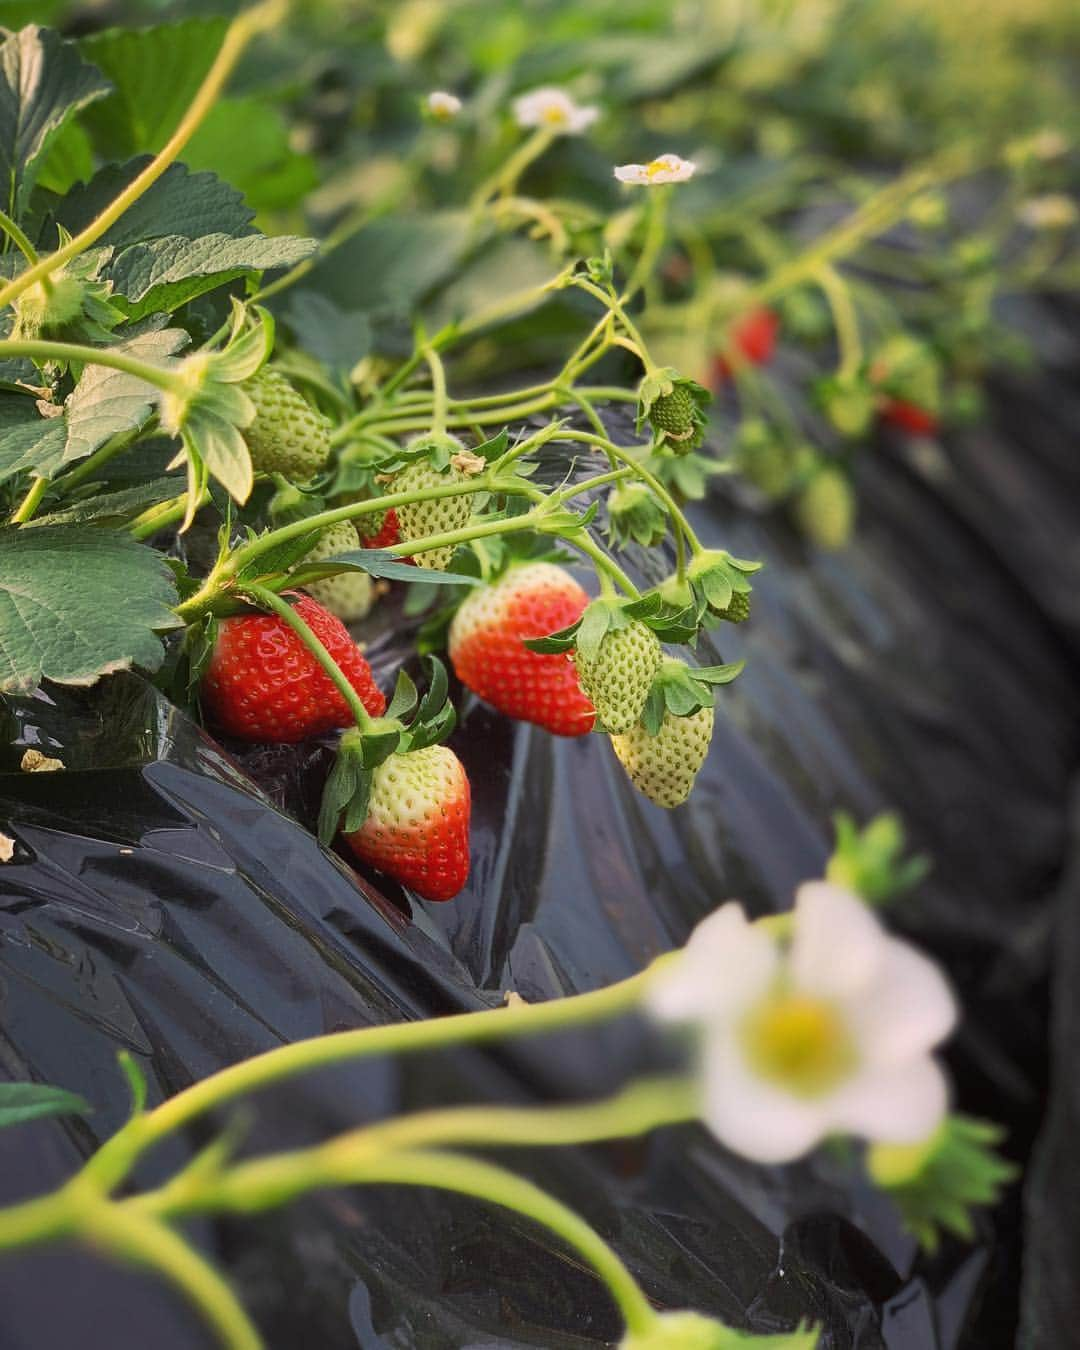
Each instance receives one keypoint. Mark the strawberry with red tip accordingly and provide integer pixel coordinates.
(381, 530)
(487, 648)
(417, 824)
(263, 684)
(907, 417)
(401, 800)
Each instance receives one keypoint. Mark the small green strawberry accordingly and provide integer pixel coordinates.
(287, 435)
(664, 766)
(738, 610)
(635, 516)
(618, 675)
(420, 520)
(825, 509)
(674, 407)
(349, 595)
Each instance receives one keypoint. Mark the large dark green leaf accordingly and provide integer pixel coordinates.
(78, 602)
(43, 81)
(28, 440)
(155, 73)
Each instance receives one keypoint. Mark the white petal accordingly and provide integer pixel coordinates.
(906, 1011)
(752, 1117)
(899, 1105)
(726, 964)
(838, 944)
(632, 173)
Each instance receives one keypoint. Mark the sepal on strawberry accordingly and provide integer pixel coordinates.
(681, 690)
(718, 578)
(75, 306)
(664, 751)
(674, 406)
(635, 516)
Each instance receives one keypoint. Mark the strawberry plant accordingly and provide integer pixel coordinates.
(245, 417)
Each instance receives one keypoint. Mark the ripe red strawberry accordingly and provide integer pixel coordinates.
(754, 337)
(907, 416)
(490, 657)
(417, 826)
(383, 530)
(262, 683)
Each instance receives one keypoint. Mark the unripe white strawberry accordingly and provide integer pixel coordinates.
(287, 435)
(664, 766)
(349, 595)
(618, 678)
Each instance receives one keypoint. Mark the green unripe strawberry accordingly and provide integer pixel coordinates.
(674, 407)
(738, 610)
(421, 520)
(349, 595)
(618, 678)
(287, 435)
(674, 413)
(825, 509)
(664, 766)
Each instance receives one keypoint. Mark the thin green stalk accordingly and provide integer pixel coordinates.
(17, 237)
(30, 503)
(845, 319)
(39, 350)
(240, 32)
(88, 467)
(659, 199)
(504, 179)
(144, 1241)
(157, 518)
(288, 615)
(615, 306)
(438, 386)
(115, 1158)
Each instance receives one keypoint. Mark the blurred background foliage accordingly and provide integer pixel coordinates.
(953, 124)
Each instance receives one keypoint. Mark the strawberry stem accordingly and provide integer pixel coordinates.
(438, 385)
(38, 349)
(288, 615)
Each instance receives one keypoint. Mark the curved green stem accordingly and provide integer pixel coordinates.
(157, 518)
(504, 179)
(144, 1241)
(243, 28)
(438, 385)
(845, 319)
(115, 1158)
(615, 306)
(288, 615)
(659, 199)
(40, 350)
(18, 238)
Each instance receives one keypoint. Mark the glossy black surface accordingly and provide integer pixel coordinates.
(161, 902)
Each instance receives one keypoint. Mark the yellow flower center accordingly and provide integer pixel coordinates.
(798, 1043)
(554, 115)
(657, 166)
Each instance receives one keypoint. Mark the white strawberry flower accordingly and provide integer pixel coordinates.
(442, 106)
(663, 169)
(830, 1032)
(553, 110)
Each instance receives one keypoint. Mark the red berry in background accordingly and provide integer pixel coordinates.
(489, 655)
(906, 416)
(262, 683)
(417, 826)
(384, 528)
(754, 337)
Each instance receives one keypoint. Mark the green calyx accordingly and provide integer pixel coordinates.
(936, 1184)
(871, 861)
(681, 690)
(848, 402)
(635, 516)
(362, 749)
(674, 407)
(72, 306)
(717, 578)
(907, 369)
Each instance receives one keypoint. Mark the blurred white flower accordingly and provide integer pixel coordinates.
(664, 169)
(830, 1033)
(553, 110)
(442, 106)
(1053, 211)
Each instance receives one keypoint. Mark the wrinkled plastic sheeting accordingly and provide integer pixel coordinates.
(162, 902)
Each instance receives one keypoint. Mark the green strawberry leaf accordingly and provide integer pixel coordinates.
(20, 1102)
(377, 562)
(281, 558)
(29, 441)
(164, 273)
(562, 641)
(405, 696)
(77, 602)
(154, 74)
(719, 674)
(438, 689)
(105, 508)
(43, 82)
(106, 402)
